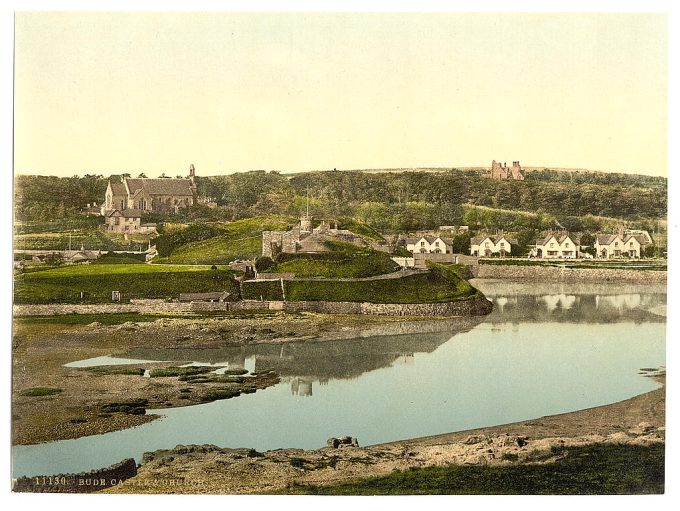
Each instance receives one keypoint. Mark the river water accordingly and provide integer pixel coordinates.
(546, 348)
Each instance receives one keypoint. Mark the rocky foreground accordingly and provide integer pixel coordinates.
(211, 469)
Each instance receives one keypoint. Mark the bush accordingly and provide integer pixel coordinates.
(264, 263)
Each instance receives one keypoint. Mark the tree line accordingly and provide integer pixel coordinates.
(389, 201)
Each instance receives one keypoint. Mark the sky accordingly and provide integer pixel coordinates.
(228, 92)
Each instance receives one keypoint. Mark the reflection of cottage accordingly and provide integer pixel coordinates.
(304, 238)
(560, 245)
(163, 194)
(487, 246)
(301, 387)
(620, 245)
(127, 220)
(429, 245)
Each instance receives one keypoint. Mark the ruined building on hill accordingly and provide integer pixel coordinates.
(502, 171)
(306, 238)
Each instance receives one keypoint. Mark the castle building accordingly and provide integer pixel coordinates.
(502, 171)
(306, 238)
(144, 194)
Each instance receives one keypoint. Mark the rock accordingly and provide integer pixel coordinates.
(475, 439)
(344, 441)
(642, 428)
(522, 441)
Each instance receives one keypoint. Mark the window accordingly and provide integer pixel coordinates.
(616, 243)
(552, 245)
(566, 244)
(487, 244)
(436, 243)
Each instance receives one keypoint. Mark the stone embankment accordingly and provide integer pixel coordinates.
(551, 274)
(84, 482)
(473, 307)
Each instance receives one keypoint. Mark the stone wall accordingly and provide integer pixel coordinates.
(84, 482)
(472, 307)
(275, 276)
(547, 273)
(420, 259)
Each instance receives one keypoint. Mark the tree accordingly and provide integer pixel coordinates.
(141, 175)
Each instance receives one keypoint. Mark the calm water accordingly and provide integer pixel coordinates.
(545, 349)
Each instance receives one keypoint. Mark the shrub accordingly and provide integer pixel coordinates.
(264, 263)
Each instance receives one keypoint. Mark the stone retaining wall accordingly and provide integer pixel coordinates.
(84, 482)
(472, 307)
(549, 274)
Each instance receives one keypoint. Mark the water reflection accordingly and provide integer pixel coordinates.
(573, 302)
(324, 360)
(545, 349)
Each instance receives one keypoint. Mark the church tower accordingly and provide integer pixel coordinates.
(192, 178)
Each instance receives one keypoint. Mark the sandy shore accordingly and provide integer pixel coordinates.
(210, 469)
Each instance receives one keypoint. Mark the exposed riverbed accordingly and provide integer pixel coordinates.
(544, 350)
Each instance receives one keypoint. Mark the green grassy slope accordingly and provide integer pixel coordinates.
(441, 284)
(241, 239)
(63, 285)
(344, 261)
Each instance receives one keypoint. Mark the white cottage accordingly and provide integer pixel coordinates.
(619, 245)
(556, 246)
(487, 246)
(429, 245)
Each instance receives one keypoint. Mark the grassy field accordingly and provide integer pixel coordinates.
(345, 261)
(90, 238)
(97, 281)
(441, 284)
(599, 469)
(241, 239)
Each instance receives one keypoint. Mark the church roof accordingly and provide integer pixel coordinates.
(118, 188)
(168, 186)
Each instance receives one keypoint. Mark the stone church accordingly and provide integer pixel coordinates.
(144, 194)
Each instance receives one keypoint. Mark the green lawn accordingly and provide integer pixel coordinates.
(590, 470)
(441, 284)
(241, 239)
(97, 281)
(344, 261)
